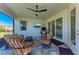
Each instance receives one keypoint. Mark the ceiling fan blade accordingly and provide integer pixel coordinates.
(31, 9)
(42, 10)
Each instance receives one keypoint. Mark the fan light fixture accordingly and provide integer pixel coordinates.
(37, 24)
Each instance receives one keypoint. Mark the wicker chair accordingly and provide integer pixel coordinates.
(47, 40)
(18, 45)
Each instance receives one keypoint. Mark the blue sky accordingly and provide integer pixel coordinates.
(5, 20)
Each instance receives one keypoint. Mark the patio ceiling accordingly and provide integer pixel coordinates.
(20, 9)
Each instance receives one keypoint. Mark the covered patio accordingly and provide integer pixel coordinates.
(59, 18)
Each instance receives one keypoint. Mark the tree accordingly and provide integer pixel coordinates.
(2, 29)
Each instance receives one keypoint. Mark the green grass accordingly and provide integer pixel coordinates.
(4, 33)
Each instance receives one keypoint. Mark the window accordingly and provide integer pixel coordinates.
(53, 27)
(23, 25)
(48, 27)
(59, 28)
(56, 27)
(73, 20)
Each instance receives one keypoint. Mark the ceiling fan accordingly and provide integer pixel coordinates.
(36, 10)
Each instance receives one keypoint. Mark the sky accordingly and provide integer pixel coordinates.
(5, 20)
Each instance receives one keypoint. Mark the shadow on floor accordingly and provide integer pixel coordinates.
(63, 51)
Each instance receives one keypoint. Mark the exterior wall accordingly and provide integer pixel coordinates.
(67, 27)
(31, 31)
